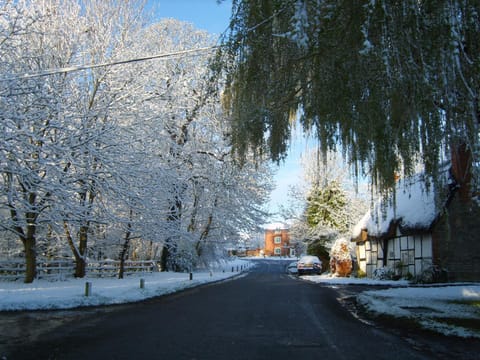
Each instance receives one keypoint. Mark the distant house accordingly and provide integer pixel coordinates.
(412, 233)
(277, 240)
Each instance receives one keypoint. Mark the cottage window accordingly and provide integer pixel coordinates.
(277, 239)
(278, 251)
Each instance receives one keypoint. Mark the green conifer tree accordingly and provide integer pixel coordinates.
(326, 207)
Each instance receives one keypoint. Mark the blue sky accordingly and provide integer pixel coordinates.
(213, 17)
(204, 14)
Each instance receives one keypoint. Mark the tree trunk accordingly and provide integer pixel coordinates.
(30, 259)
(121, 269)
(29, 244)
(164, 258)
(80, 263)
(206, 231)
(80, 267)
(125, 247)
(28, 239)
(174, 217)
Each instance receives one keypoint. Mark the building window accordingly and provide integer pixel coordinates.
(278, 251)
(277, 239)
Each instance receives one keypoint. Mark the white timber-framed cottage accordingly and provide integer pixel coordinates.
(414, 231)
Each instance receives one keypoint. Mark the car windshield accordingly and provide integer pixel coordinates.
(309, 259)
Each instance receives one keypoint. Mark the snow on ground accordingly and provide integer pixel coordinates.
(70, 293)
(450, 309)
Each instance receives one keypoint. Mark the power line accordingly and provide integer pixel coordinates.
(69, 69)
(112, 63)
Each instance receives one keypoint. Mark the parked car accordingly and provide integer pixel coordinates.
(292, 268)
(309, 264)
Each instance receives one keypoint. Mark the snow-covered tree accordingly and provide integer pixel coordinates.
(327, 206)
(33, 111)
(99, 100)
(106, 158)
(331, 201)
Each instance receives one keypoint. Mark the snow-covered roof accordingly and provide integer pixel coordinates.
(414, 208)
(276, 226)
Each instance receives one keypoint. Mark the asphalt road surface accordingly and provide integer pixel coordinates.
(263, 315)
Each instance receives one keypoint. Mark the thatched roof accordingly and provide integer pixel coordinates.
(413, 209)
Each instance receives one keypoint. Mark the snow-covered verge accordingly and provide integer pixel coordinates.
(450, 309)
(70, 293)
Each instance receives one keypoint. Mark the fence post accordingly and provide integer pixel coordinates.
(88, 288)
(142, 283)
(191, 276)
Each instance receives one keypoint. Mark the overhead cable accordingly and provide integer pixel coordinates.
(112, 63)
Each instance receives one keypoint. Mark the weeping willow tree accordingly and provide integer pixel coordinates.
(393, 83)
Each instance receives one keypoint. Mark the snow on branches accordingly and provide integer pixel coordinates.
(111, 161)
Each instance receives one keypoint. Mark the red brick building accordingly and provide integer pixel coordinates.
(277, 241)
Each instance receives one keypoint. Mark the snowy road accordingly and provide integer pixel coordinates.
(264, 315)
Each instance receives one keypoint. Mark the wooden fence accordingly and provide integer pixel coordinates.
(61, 269)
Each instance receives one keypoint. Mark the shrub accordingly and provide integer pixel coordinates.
(383, 273)
(431, 274)
(361, 274)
